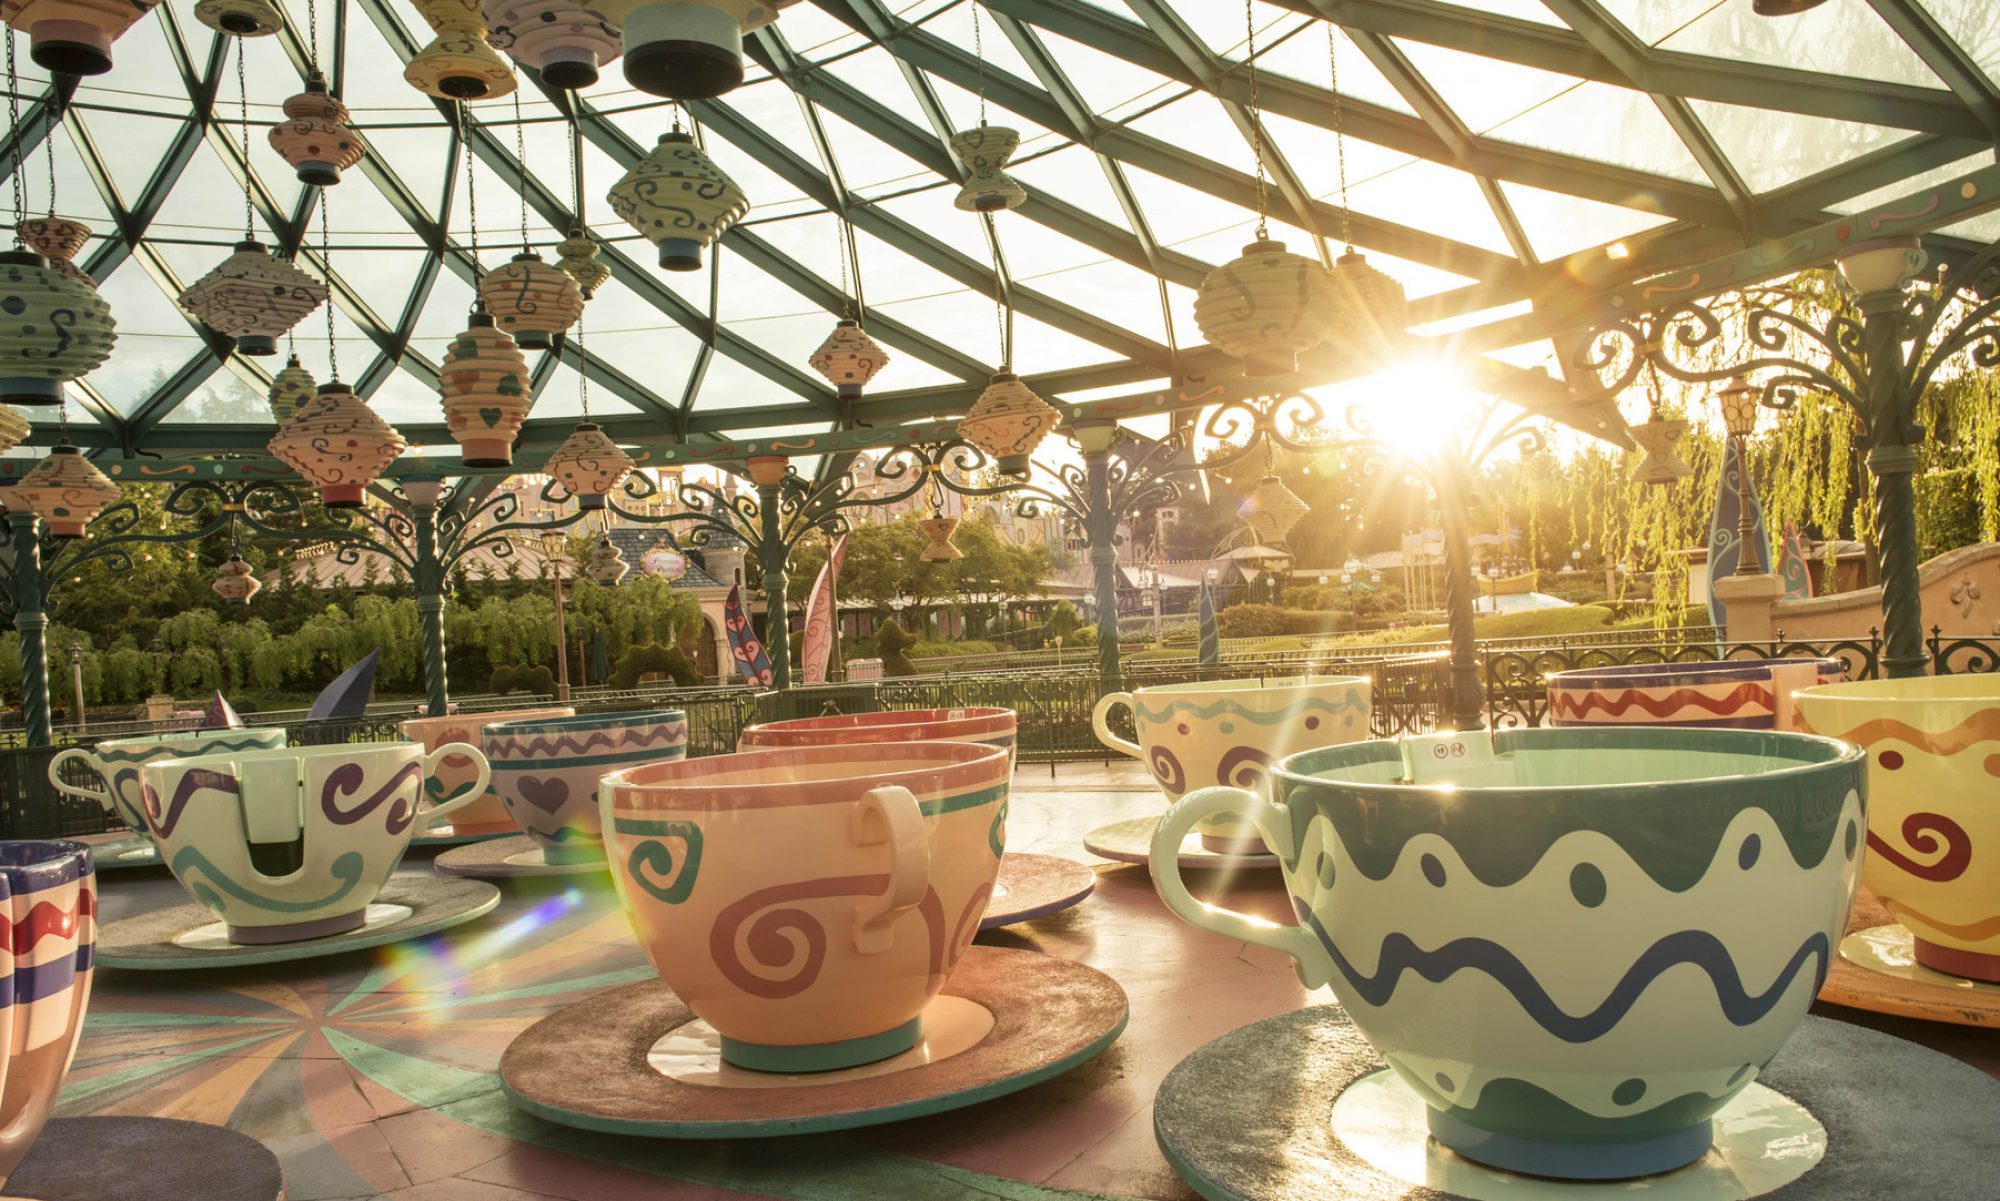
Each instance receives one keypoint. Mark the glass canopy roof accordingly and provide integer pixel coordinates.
(1496, 151)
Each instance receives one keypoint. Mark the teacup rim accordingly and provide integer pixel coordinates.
(1237, 684)
(948, 755)
(176, 735)
(542, 725)
(482, 720)
(1576, 675)
(264, 754)
(932, 715)
(1841, 754)
(66, 860)
(1959, 688)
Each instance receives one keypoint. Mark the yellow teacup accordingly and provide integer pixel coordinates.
(1933, 858)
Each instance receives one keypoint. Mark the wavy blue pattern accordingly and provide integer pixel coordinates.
(346, 870)
(1697, 947)
(1231, 706)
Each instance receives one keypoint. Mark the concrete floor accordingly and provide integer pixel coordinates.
(371, 1074)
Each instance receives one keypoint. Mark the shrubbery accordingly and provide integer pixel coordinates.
(892, 646)
(523, 677)
(1270, 621)
(649, 657)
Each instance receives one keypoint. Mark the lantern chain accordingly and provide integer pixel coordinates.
(326, 265)
(999, 296)
(979, 56)
(576, 159)
(243, 123)
(1339, 132)
(14, 123)
(471, 193)
(312, 34)
(582, 371)
(1256, 119)
(521, 162)
(49, 146)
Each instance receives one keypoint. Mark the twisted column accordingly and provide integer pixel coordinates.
(1893, 463)
(31, 620)
(428, 583)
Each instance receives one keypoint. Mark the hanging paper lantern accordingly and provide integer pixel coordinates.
(1265, 307)
(606, 566)
(1661, 463)
(849, 358)
(73, 36)
(458, 64)
(13, 428)
(939, 529)
(1271, 510)
(66, 490)
(253, 298)
(484, 382)
(1370, 311)
(589, 464)
(290, 388)
(59, 240)
(579, 262)
(984, 151)
(564, 42)
(678, 199)
(531, 301)
(240, 18)
(338, 444)
(236, 581)
(55, 329)
(687, 49)
(314, 137)
(1007, 422)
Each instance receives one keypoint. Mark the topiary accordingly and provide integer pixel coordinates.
(647, 657)
(892, 642)
(522, 677)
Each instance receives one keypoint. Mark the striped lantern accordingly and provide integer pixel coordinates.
(589, 464)
(59, 240)
(565, 42)
(338, 444)
(290, 388)
(530, 300)
(236, 581)
(679, 199)
(253, 298)
(65, 490)
(1266, 306)
(314, 137)
(849, 358)
(73, 37)
(484, 383)
(1007, 422)
(579, 262)
(458, 64)
(56, 330)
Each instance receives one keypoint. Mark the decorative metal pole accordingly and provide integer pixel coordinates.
(1468, 700)
(76, 683)
(26, 584)
(1100, 525)
(552, 556)
(427, 584)
(768, 473)
(1878, 274)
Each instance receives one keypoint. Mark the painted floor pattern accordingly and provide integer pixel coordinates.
(371, 1074)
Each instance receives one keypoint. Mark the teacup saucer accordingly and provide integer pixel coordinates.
(178, 939)
(116, 852)
(448, 835)
(1132, 842)
(509, 859)
(1834, 1117)
(1032, 886)
(635, 1060)
(1877, 970)
(163, 1159)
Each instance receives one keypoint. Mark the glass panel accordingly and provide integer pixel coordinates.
(154, 339)
(1111, 289)
(1847, 40)
(875, 73)
(224, 400)
(1199, 123)
(130, 146)
(1971, 25)
(1305, 57)
(1609, 125)
(1107, 83)
(1559, 225)
(731, 385)
(1771, 149)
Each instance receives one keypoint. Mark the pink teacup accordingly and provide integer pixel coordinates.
(48, 897)
(994, 727)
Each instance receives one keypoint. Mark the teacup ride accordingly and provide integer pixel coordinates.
(48, 897)
(487, 816)
(1029, 886)
(289, 854)
(1924, 941)
(546, 772)
(115, 764)
(1739, 694)
(1221, 732)
(1567, 955)
(810, 912)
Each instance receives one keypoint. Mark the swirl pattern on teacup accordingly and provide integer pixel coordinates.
(655, 869)
(349, 778)
(1244, 767)
(784, 943)
(1166, 768)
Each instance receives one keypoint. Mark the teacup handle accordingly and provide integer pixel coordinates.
(1102, 726)
(1274, 822)
(89, 760)
(465, 796)
(889, 814)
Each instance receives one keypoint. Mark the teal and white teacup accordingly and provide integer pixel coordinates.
(547, 769)
(1576, 945)
(117, 760)
(1230, 732)
(286, 845)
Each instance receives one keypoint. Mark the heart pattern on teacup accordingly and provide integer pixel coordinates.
(546, 793)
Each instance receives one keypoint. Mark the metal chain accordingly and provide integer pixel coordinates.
(576, 158)
(999, 295)
(1339, 133)
(979, 55)
(49, 145)
(14, 123)
(243, 122)
(471, 193)
(521, 161)
(312, 34)
(842, 235)
(326, 265)
(582, 373)
(1256, 119)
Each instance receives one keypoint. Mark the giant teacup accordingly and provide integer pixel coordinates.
(48, 897)
(1739, 694)
(809, 902)
(1933, 746)
(286, 845)
(1575, 950)
(546, 771)
(454, 773)
(1230, 732)
(992, 726)
(117, 761)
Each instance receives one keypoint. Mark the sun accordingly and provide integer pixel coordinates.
(1417, 409)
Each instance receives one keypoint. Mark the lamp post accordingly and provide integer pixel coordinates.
(1739, 418)
(76, 680)
(555, 557)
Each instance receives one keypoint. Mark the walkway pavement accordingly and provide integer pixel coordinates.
(371, 1074)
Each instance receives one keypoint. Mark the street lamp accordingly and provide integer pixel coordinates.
(1739, 416)
(554, 543)
(76, 678)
